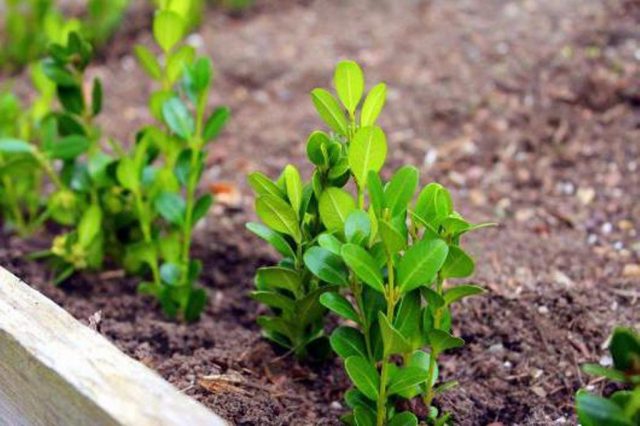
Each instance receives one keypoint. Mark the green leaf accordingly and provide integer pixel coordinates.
(68, 147)
(354, 398)
(277, 277)
(363, 265)
(215, 123)
(392, 239)
(195, 305)
(293, 183)
(394, 342)
(400, 189)
(90, 225)
(341, 306)
(276, 240)
(71, 98)
(262, 185)
(127, 174)
(335, 205)
(407, 320)
(171, 206)
(348, 342)
(600, 371)
(357, 227)
(458, 264)
(196, 78)
(364, 375)
(96, 97)
(434, 204)
(177, 63)
(178, 118)
(364, 417)
(325, 265)
(278, 215)
(349, 82)
(597, 411)
(329, 110)
(330, 242)
(317, 146)
(376, 193)
(148, 61)
(421, 263)
(406, 418)
(441, 341)
(461, 291)
(15, 146)
(407, 378)
(274, 300)
(157, 101)
(373, 105)
(625, 350)
(168, 29)
(367, 153)
(201, 208)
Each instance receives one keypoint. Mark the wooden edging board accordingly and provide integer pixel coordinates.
(56, 371)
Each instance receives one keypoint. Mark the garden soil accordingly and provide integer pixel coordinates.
(528, 110)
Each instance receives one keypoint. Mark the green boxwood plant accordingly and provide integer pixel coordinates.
(163, 169)
(380, 260)
(622, 408)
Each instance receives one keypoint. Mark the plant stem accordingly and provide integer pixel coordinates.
(382, 394)
(433, 358)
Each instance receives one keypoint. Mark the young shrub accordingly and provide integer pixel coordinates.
(21, 180)
(162, 172)
(623, 406)
(390, 258)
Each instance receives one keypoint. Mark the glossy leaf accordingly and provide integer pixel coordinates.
(406, 378)
(276, 240)
(373, 105)
(349, 83)
(168, 29)
(458, 264)
(459, 292)
(421, 263)
(293, 183)
(325, 265)
(278, 215)
(215, 123)
(262, 185)
(148, 61)
(348, 342)
(364, 375)
(341, 306)
(329, 110)
(171, 206)
(363, 265)
(357, 227)
(441, 341)
(367, 153)
(178, 118)
(400, 189)
(335, 205)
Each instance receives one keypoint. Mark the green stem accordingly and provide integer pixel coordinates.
(356, 289)
(433, 358)
(12, 201)
(196, 147)
(381, 412)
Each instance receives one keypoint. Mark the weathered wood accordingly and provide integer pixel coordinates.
(56, 371)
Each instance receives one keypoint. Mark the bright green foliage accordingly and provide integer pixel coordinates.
(21, 180)
(30, 25)
(381, 265)
(160, 175)
(622, 408)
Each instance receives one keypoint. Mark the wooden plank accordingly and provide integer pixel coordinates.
(56, 371)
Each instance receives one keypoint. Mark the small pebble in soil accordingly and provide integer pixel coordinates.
(592, 239)
(606, 228)
(618, 245)
(606, 361)
(543, 310)
(336, 406)
(497, 347)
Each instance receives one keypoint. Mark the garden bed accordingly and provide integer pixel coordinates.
(535, 129)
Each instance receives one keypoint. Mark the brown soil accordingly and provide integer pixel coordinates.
(531, 113)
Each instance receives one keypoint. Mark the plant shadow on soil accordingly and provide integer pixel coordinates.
(543, 149)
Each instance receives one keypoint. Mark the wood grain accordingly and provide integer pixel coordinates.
(56, 371)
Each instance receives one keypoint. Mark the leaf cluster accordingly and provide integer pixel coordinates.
(379, 258)
(136, 205)
(622, 408)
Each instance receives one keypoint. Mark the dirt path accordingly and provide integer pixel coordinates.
(528, 110)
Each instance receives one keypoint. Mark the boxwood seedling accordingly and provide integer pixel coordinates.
(623, 406)
(390, 258)
(162, 172)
